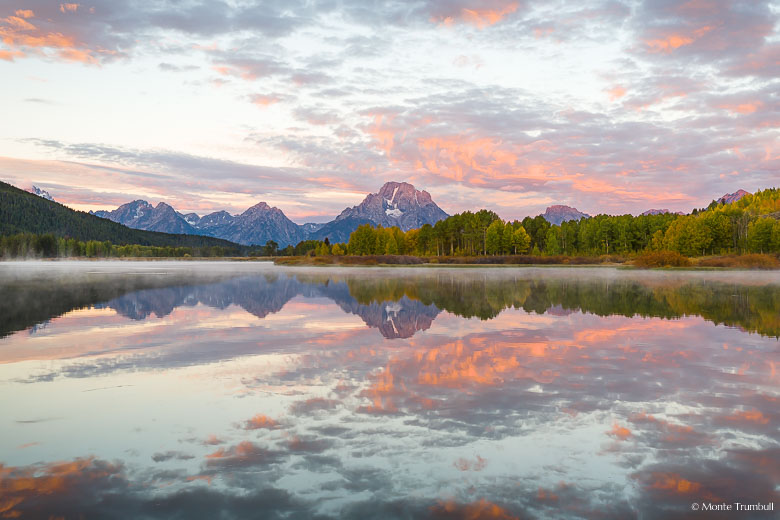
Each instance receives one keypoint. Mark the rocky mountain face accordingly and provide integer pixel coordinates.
(728, 198)
(215, 223)
(396, 204)
(257, 225)
(557, 214)
(35, 190)
(139, 214)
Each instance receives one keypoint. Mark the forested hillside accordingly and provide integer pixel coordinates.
(24, 213)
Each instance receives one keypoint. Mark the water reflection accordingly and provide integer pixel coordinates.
(226, 390)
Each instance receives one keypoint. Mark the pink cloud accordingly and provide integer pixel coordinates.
(479, 16)
(667, 43)
(742, 108)
(264, 100)
(23, 37)
(616, 93)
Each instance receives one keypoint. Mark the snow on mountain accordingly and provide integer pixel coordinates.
(35, 190)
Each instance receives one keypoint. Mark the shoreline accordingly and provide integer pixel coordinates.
(401, 262)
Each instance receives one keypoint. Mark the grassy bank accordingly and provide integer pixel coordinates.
(661, 259)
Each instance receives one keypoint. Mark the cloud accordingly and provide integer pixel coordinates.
(171, 455)
(481, 14)
(108, 30)
(719, 32)
(342, 111)
(260, 421)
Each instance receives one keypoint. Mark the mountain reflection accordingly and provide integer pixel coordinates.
(330, 393)
(399, 306)
(261, 296)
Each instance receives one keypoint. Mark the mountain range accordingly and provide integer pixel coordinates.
(396, 204)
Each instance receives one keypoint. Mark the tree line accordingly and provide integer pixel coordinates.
(30, 245)
(749, 225)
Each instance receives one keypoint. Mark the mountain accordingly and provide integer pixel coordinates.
(35, 190)
(257, 225)
(396, 204)
(139, 214)
(212, 223)
(23, 212)
(558, 213)
(728, 198)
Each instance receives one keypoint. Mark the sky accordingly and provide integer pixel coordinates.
(609, 106)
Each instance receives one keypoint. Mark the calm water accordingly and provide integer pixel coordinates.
(236, 390)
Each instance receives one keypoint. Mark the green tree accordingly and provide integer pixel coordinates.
(553, 241)
(520, 240)
(391, 246)
(493, 236)
(759, 235)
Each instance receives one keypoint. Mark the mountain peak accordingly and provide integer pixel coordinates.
(261, 207)
(559, 213)
(728, 198)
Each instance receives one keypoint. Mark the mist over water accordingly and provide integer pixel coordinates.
(223, 390)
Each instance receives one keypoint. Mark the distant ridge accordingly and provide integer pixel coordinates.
(560, 213)
(659, 212)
